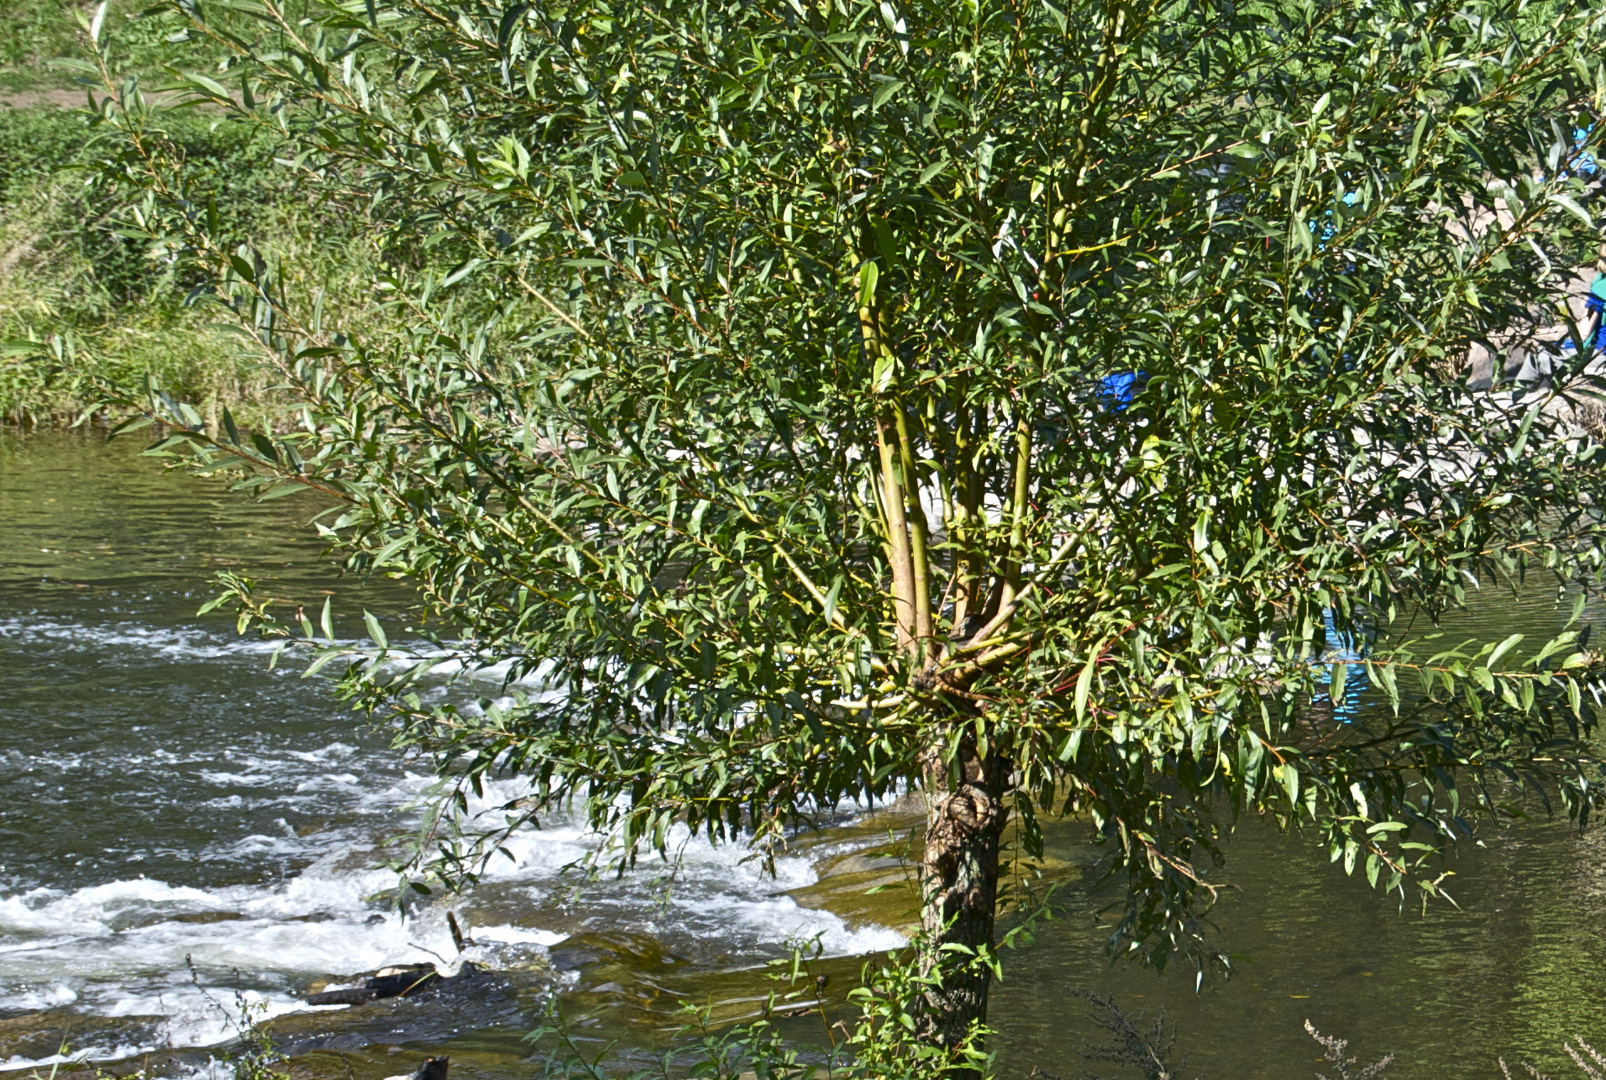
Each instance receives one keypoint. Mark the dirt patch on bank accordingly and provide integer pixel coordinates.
(58, 98)
(68, 97)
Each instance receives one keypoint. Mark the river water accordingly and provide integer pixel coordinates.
(185, 833)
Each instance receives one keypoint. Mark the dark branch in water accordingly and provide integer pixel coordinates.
(1147, 1050)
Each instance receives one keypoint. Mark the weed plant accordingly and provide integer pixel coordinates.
(879, 1044)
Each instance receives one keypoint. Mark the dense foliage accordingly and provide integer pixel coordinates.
(74, 287)
(746, 376)
(232, 161)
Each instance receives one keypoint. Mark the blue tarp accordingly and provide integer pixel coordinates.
(1118, 391)
(1595, 307)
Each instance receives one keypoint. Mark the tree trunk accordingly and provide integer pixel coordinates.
(959, 883)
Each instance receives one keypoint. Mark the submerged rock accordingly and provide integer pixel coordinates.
(435, 1016)
(608, 948)
(36, 1036)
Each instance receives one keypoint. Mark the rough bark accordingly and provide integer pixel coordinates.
(965, 817)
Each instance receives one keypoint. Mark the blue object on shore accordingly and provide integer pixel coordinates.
(1327, 227)
(1594, 305)
(1584, 161)
(1118, 391)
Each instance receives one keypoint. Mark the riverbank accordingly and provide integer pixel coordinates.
(84, 307)
(81, 306)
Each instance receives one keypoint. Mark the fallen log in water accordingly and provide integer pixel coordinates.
(393, 982)
(432, 1069)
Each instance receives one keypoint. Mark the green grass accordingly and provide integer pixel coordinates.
(36, 144)
(97, 306)
(83, 306)
(36, 32)
(81, 310)
(100, 307)
(40, 31)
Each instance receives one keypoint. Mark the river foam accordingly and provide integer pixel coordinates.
(216, 825)
(192, 957)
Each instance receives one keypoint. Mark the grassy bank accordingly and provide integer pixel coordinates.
(98, 306)
(82, 305)
(38, 32)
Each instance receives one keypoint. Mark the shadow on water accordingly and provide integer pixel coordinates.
(1513, 970)
(1509, 969)
(163, 795)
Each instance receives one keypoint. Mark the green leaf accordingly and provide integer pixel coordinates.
(831, 597)
(211, 87)
(1288, 774)
(868, 276)
(321, 661)
(1501, 649)
(1567, 203)
(1084, 685)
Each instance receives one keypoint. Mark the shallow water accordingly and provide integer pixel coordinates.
(165, 797)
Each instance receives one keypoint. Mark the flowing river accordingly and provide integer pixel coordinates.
(186, 835)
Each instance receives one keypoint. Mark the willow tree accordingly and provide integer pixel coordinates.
(992, 399)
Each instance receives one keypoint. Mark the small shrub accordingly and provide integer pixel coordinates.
(1586, 1057)
(1334, 1048)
